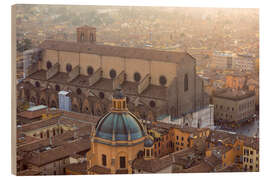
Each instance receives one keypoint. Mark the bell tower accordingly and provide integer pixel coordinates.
(86, 34)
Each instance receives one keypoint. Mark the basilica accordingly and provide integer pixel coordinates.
(156, 83)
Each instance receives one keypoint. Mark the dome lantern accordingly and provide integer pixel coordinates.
(119, 101)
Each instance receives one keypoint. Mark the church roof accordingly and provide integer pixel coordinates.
(121, 126)
(107, 50)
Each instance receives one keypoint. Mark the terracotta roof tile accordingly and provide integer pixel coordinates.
(100, 170)
(153, 165)
(106, 50)
(80, 168)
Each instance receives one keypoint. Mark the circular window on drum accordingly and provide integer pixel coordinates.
(162, 80)
(90, 70)
(112, 73)
(69, 67)
(137, 76)
(49, 64)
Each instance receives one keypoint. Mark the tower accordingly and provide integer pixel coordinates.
(86, 34)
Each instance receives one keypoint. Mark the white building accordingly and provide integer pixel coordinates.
(203, 118)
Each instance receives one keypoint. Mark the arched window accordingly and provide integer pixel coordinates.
(82, 36)
(37, 84)
(137, 76)
(152, 104)
(101, 95)
(79, 91)
(91, 37)
(186, 82)
(69, 67)
(49, 64)
(112, 73)
(104, 160)
(48, 134)
(162, 80)
(122, 162)
(90, 70)
(57, 87)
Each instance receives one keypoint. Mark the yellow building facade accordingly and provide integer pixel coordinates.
(118, 139)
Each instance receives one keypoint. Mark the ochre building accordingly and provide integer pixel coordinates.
(155, 82)
(117, 140)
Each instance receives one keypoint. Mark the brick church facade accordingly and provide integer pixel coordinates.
(155, 82)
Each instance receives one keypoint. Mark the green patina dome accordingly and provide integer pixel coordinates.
(119, 126)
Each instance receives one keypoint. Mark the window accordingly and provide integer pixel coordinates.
(112, 73)
(137, 76)
(37, 84)
(69, 68)
(152, 104)
(182, 138)
(57, 87)
(177, 138)
(147, 153)
(101, 95)
(251, 160)
(91, 37)
(104, 160)
(251, 152)
(122, 162)
(90, 70)
(186, 82)
(162, 80)
(79, 91)
(49, 64)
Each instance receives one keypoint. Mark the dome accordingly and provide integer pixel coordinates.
(148, 142)
(119, 126)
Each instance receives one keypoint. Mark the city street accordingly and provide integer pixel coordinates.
(251, 129)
